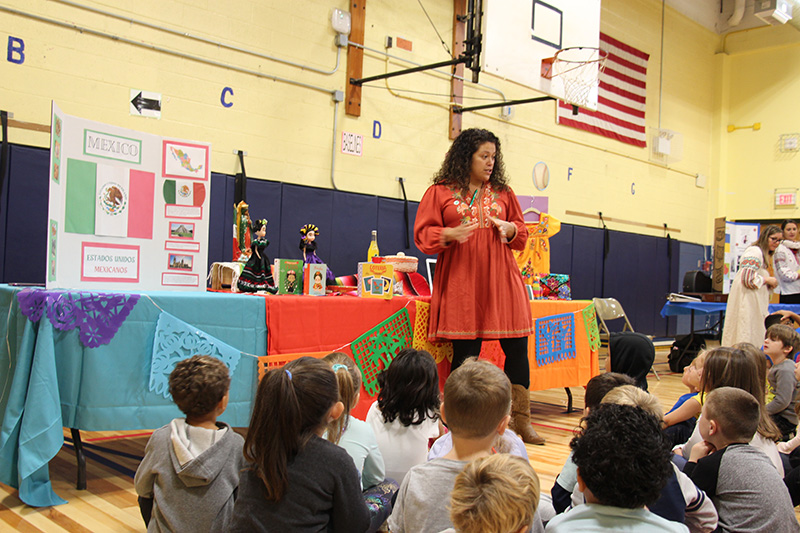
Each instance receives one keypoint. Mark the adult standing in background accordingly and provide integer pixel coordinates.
(471, 218)
(748, 301)
(787, 265)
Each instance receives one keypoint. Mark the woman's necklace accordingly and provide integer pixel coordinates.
(474, 195)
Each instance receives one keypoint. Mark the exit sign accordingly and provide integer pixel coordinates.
(785, 197)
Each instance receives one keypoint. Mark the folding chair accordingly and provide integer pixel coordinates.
(610, 309)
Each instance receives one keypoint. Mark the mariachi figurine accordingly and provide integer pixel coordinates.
(308, 244)
(257, 273)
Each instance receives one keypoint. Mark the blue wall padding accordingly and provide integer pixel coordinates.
(354, 218)
(25, 247)
(301, 206)
(636, 271)
(4, 214)
(561, 251)
(265, 201)
(218, 227)
(391, 238)
(587, 263)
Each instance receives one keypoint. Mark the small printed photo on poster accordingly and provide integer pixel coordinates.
(184, 160)
(180, 262)
(181, 230)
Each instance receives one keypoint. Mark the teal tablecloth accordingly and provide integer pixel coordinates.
(49, 380)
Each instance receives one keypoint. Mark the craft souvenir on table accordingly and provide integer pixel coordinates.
(97, 316)
(174, 341)
(241, 232)
(289, 272)
(375, 349)
(314, 279)
(308, 243)
(556, 287)
(534, 259)
(257, 273)
(592, 331)
(555, 338)
(375, 280)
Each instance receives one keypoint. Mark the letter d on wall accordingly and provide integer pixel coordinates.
(376, 129)
(16, 46)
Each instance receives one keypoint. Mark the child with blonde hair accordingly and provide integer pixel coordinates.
(352, 434)
(732, 367)
(476, 408)
(498, 493)
(682, 417)
(358, 439)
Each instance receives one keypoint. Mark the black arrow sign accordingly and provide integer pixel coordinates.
(140, 102)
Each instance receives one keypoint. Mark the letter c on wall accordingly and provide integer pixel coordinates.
(225, 91)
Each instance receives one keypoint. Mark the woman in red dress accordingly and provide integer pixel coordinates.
(471, 218)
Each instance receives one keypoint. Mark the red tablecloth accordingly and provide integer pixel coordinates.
(318, 325)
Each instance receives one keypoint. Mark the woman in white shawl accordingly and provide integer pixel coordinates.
(748, 301)
(786, 264)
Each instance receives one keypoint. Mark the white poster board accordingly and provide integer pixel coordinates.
(738, 237)
(127, 210)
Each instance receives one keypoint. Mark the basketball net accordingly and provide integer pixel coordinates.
(578, 69)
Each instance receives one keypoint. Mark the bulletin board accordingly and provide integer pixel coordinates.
(739, 236)
(127, 210)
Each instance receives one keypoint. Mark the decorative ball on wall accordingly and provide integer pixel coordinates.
(541, 175)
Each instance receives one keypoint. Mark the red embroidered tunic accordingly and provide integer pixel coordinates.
(477, 288)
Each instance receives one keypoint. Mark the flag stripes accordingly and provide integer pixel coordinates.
(621, 101)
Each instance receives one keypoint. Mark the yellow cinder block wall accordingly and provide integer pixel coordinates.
(763, 86)
(288, 130)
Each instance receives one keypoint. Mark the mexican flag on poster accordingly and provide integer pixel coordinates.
(115, 195)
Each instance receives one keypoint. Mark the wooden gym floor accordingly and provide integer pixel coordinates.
(110, 502)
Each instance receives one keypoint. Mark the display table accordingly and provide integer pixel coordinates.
(50, 380)
(318, 325)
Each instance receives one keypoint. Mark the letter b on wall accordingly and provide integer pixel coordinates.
(16, 50)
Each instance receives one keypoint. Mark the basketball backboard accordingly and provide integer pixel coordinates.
(519, 34)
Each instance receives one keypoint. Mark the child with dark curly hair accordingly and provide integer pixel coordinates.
(623, 461)
(406, 414)
(189, 476)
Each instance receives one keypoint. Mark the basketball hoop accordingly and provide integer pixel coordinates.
(578, 68)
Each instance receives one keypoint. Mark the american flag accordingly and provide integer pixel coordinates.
(621, 96)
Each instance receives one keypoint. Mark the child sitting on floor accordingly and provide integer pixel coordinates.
(623, 461)
(498, 493)
(747, 491)
(295, 480)
(476, 408)
(780, 342)
(188, 478)
(680, 420)
(406, 414)
(358, 439)
(596, 389)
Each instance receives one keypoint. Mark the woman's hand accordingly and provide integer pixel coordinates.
(507, 229)
(459, 233)
(770, 282)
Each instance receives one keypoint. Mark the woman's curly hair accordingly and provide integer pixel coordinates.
(622, 455)
(458, 160)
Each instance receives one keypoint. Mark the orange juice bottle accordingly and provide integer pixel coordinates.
(373, 247)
